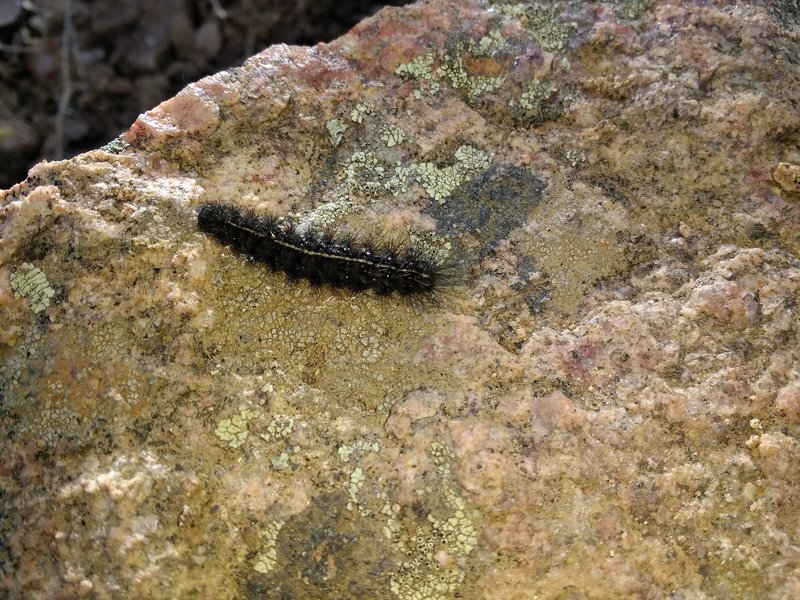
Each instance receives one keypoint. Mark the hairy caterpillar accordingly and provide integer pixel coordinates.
(349, 261)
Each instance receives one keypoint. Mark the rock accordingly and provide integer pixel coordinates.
(604, 403)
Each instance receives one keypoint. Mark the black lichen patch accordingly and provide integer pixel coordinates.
(491, 206)
(326, 552)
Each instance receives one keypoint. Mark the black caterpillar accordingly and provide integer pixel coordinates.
(349, 261)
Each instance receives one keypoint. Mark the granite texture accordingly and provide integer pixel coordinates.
(606, 406)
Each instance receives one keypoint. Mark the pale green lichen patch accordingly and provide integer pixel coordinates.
(49, 424)
(359, 171)
(534, 94)
(550, 31)
(630, 9)
(30, 282)
(281, 462)
(355, 483)
(359, 112)
(437, 182)
(233, 432)
(392, 136)
(326, 216)
(453, 69)
(12, 368)
(359, 447)
(420, 67)
(280, 427)
(265, 561)
(455, 72)
(336, 129)
(437, 554)
(494, 41)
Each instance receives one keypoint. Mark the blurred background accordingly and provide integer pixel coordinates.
(75, 74)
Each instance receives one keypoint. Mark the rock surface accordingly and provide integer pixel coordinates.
(607, 405)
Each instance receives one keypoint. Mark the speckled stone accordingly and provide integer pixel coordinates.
(607, 404)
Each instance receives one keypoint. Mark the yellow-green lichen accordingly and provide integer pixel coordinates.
(280, 427)
(544, 21)
(49, 424)
(326, 216)
(435, 566)
(359, 447)
(534, 93)
(630, 9)
(358, 172)
(392, 136)
(233, 431)
(439, 183)
(453, 69)
(355, 483)
(358, 113)
(488, 43)
(30, 282)
(268, 557)
(280, 462)
(336, 129)
(420, 67)
(455, 72)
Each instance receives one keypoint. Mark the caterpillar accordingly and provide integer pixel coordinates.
(348, 261)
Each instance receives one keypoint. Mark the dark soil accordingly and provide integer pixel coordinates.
(75, 74)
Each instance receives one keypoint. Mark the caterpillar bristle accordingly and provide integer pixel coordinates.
(353, 260)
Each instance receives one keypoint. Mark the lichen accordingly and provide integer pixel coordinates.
(534, 94)
(355, 483)
(452, 67)
(336, 129)
(326, 216)
(437, 182)
(436, 554)
(359, 112)
(455, 72)
(420, 67)
(265, 561)
(12, 369)
(392, 136)
(30, 282)
(358, 171)
(49, 424)
(550, 31)
(494, 41)
(359, 447)
(280, 427)
(233, 432)
(630, 9)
